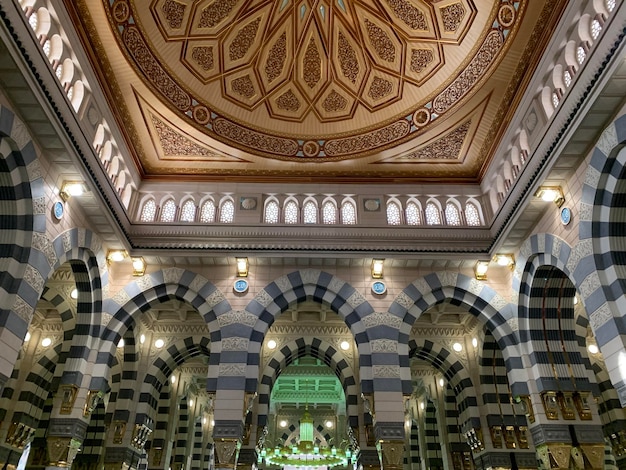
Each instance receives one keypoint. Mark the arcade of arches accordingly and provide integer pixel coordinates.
(213, 283)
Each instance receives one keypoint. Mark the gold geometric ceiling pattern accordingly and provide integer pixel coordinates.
(254, 83)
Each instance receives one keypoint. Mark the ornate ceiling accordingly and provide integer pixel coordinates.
(314, 90)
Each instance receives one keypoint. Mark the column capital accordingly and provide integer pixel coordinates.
(62, 451)
(391, 454)
(226, 453)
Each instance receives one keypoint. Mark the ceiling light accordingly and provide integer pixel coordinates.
(74, 294)
(242, 267)
(120, 343)
(191, 403)
(441, 382)
(504, 259)
(329, 424)
(475, 342)
(421, 405)
(593, 349)
(139, 266)
(70, 189)
(142, 338)
(173, 379)
(344, 345)
(480, 270)
(551, 194)
(27, 337)
(115, 256)
(457, 347)
(46, 342)
(204, 420)
(283, 424)
(159, 343)
(377, 268)
(271, 344)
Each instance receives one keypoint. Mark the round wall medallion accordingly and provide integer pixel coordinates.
(240, 286)
(58, 210)
(379, 287)
(566, 215)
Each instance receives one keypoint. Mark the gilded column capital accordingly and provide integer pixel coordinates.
(391, 454)
(226, 451)
(62, 451)
(594, 454)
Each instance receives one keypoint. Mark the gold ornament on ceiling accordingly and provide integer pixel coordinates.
(271, 77)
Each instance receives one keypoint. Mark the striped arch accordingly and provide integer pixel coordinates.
(83, 250)
(123, 396)
(292, 288)
(36, 389)
(79, 247)
(455, 374)
(172, 356)
(23, 209)
(28, 396)
(480, 300)
(155, 288)
(538, 250)
(320, 350)
(601, 232)
(545, 256)
(497, 397)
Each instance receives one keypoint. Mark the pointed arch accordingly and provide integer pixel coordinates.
(480, 300)
(155, 288)
(318, 349)
(22, 206)
(295, 287)
(454, 372)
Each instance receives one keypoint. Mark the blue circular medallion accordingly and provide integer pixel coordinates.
(566, 215)
(379, 287)
(240, 286)
(58, 209)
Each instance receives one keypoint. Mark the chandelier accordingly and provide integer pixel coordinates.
(306, 454)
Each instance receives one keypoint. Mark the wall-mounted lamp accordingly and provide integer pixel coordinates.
(71, 188)
(377, 268)
(115, 256)
(242, 267)
(139, 266)
(480, 270)
(505, 259)
(551, 194)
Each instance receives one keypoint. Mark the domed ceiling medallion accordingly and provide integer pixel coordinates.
(315, 80)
